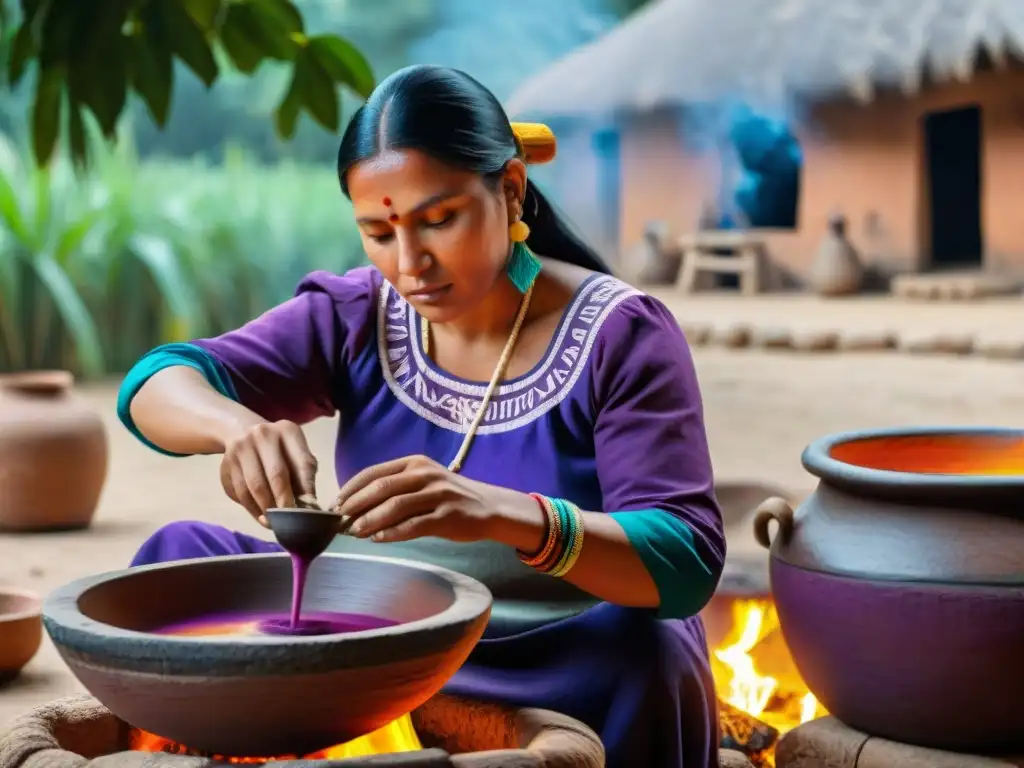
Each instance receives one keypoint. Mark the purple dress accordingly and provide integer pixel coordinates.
(610, 419)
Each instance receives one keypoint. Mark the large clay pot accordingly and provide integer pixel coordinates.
(899, 584)
(53, 453)
(266, 695)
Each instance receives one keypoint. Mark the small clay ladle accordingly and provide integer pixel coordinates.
(304, 532)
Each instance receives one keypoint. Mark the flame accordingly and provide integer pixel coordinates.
(397, 736)
(780, 700)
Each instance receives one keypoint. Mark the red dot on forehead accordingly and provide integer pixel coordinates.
(387, 201)
(393, 217)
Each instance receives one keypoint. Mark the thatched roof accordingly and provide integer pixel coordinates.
(676, 52)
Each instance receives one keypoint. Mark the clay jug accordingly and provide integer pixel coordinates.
(899, 584)
(53, 453)
(837, 268)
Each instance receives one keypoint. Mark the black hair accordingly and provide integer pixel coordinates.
(450, 116)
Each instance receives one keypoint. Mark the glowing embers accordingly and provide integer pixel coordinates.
(395, 737)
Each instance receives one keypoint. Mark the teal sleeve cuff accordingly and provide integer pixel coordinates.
(665, 545)
(168, 356)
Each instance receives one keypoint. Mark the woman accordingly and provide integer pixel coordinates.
(468, 375)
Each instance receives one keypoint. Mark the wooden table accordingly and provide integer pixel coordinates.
(747, 260)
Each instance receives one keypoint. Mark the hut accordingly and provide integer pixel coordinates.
(909, 115)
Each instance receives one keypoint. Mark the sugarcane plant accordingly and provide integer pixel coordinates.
(96, 267)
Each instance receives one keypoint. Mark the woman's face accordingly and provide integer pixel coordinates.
(437, 233)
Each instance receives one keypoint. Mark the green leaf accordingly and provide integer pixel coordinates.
(160, 260)
(243, 38)
(319, 93)
(203, 12)
(152, 68)
(287, 113)
(74, 235)
(77, 321)
(343, 62)
(59, 23)
(42, 212)
(107, 77)
(23, 49)
(46, 114)
(10, 211)
(188, 41)
(77, 138)
(282, 13)
(260, 29)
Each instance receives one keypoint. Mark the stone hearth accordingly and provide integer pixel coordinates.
(79, 732)
(827, 743)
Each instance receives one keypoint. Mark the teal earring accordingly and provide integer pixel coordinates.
(523, 267)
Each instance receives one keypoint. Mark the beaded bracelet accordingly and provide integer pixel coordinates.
(573, 541)
(552, 538)
(563, 540)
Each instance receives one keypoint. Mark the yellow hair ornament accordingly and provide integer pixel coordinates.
(536, 142)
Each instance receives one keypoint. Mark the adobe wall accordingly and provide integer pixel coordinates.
(865, 160)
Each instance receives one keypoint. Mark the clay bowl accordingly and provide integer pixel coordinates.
(266, 695)
(21, 630)
(899, 584)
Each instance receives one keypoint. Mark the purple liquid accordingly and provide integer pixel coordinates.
(300, 569)
(272, 623)
(254, 623)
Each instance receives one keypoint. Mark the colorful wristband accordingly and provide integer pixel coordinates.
(554, 534)
(564, 539)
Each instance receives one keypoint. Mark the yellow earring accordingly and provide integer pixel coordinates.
(519, 232)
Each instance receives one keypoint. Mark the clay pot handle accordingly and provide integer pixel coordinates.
(777, 509)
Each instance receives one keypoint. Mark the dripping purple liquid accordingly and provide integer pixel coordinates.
(295, 625)
(300, 569)
(271, 623)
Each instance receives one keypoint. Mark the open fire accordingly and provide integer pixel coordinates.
(755, 674)
(398, 736)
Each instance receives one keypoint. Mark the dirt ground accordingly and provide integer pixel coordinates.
(761, 409)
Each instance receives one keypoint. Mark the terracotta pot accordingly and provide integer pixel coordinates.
(53, 453)
(21, 630)
(837, 269)
(267, 695)
(899, 584)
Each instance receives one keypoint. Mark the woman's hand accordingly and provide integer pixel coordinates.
(268, 465)
(415, 496)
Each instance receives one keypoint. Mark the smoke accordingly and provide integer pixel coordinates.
(503, 42)
(759, 157)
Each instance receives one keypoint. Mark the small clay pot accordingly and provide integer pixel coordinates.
(21, 630)
(53, 453)
(837, 269)
(899, 584)
(273, 694)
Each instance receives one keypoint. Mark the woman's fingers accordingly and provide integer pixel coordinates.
(248, 458)
(380, 490)
(270, 450)
(398, 509)
(360, 480)
(415, 527)
(269, 467)
(300, 459)
(243, 495)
